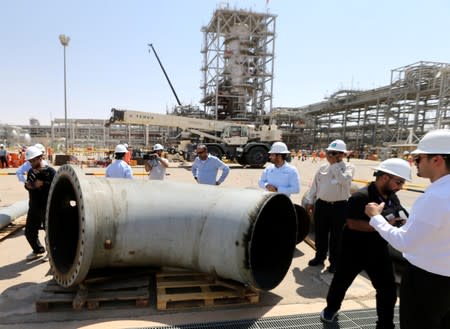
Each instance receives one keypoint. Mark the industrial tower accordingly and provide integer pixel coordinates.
(238, 63)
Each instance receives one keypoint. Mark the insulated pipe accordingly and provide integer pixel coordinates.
(16, 210)
(241, 234)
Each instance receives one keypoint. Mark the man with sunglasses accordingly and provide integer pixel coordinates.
(363, 248)
(327, 201)
(206, 167)
(425, 239)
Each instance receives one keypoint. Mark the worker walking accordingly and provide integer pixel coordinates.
(327, 202)
(424, 239)
(156, 166)
(206, 167)
(39, 179)
(280, 176)
(363, 248)
(3, 156)
(119, 168)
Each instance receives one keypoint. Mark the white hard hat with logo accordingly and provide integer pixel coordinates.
(434, 142)
(157, 147)
(120, 148)
(41, 147)
(397, 167)
(279, 148)
(337, 145)
(32, 152)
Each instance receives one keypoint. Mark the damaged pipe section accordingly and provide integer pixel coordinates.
(241, 234)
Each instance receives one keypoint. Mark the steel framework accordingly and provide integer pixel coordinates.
(416, 101)
(238, 64)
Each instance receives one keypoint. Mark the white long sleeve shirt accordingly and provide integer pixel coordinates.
(425, 238)
(285, 178)
(331, 183)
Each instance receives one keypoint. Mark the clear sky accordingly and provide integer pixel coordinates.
(320, 47)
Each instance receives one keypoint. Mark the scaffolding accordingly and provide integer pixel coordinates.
(238, 64)
(415, 101)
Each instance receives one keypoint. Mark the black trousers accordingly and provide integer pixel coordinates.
(424, 300)
(35, 220)
(3, 162)
(329, 219)
(358, 255)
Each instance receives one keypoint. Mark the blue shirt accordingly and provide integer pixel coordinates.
(23, 170)
(285, 178)
(119, 169)
(206, 171)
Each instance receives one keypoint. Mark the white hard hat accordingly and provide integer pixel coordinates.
(157, 147)
(397, 167)
(41, 147)
(337, 145)
(405, 152)
(32, 152)
(1, 145)
(125, 144)
(434, 142)
(279, 148)
(120, 148)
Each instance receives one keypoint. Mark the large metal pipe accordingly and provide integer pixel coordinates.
(242, 234)
(16, 210)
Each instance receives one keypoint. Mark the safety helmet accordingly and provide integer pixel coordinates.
(337, 145)
(125, 144)
(120, 148)
(434, 142)
(157, 147)
(41, 147)
(405, 152)
(279, 148)
(32, 152)
(397, 167)
(1, 145)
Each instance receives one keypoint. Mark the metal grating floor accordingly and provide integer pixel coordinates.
(360, 319)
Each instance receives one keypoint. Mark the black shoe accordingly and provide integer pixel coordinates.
(315, 262)
(331, 269)
(328, 316)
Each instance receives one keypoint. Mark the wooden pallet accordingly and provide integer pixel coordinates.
(122, 290)
(175, 290)
(17, 224)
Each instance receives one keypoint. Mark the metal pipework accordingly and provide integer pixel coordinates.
(16, 210)
(241, 234)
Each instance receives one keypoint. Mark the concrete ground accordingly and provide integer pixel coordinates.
(302, 291)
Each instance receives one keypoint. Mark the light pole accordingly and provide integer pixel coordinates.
(65, 42)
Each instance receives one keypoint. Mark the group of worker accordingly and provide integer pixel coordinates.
(352, 229)
(355, 229)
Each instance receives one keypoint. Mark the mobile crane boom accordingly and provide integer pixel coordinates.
(245, 143)
(165, 74)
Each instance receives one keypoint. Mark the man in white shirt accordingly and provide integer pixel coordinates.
(156, 166)
(328, 198)
(280, 176)
(424, 239)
